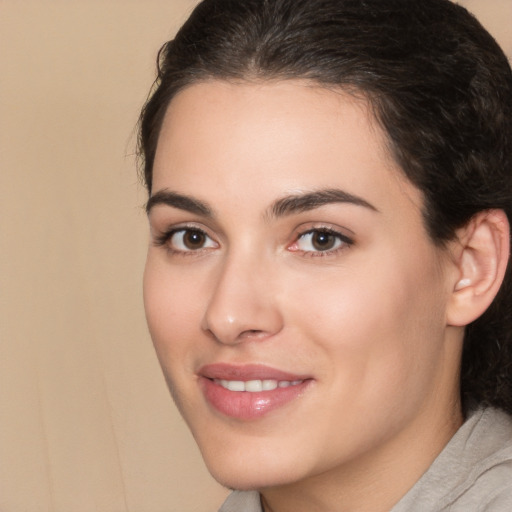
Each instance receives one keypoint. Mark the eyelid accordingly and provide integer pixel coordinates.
(346, 240)
(163, 237)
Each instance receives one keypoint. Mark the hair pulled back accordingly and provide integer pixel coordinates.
(437, 82)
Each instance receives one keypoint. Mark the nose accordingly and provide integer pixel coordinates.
(243, 305)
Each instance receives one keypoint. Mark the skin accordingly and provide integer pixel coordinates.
(366, 320)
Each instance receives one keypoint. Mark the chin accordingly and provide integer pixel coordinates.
(239, 469)
(249, 478)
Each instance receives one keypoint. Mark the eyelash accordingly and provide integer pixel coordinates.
(164, 239)
(343, 241)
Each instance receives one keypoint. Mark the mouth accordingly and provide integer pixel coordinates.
(251, 391)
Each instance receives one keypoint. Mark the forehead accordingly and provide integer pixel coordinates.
(275, 138)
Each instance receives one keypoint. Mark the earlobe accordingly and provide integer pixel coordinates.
(484, 245)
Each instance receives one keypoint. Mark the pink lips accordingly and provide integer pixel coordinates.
(249, 405)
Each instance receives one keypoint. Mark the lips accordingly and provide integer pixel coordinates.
(250, 391)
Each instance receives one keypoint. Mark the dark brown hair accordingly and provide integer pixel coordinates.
(438, 83)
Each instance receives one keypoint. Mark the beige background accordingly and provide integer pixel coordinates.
(86, 423)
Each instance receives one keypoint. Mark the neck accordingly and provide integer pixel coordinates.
(377, 480)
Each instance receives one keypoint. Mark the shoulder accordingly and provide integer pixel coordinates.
(491, 489)
(501, 500)
(473, 473)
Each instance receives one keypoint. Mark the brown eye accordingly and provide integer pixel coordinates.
(323, 240)
(193, 239)
(185, 240)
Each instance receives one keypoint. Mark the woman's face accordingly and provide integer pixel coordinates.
(295, 301)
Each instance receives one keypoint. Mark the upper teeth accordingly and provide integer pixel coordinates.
(255, 385)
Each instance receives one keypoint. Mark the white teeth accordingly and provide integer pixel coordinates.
(269, 385)
(233, 385)
(254, 386)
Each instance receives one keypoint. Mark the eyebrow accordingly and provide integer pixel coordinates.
(309, 201)
(282, 207)
(180, 201)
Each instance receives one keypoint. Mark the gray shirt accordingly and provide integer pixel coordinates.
(472, 474)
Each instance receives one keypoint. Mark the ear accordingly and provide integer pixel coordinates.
(481, 259)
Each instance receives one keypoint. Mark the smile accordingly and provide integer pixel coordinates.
(248, 392)
(255, 386)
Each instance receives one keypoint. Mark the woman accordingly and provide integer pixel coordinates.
(327, 288)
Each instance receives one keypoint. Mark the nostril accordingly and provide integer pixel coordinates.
(253, 333)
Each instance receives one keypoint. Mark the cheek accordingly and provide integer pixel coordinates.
(381, 330)
(172, 310)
